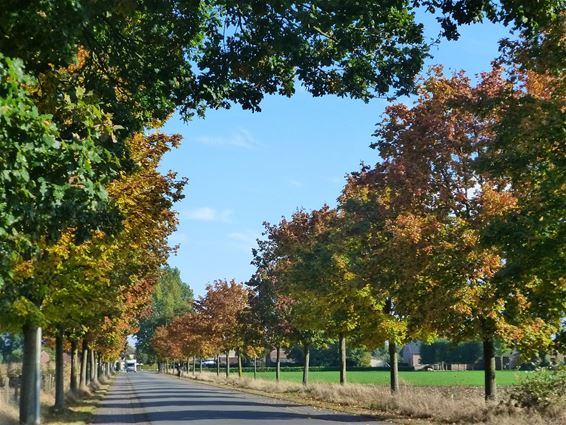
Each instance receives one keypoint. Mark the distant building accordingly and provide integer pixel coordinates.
(232, 358)
(411, 354)
(282, 357)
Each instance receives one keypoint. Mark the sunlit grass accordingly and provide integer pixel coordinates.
(79, 414)
(436, 378)
(80, 411)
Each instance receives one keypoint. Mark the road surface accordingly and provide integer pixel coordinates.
(153, 399)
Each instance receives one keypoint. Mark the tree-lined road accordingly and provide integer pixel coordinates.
(147, 399)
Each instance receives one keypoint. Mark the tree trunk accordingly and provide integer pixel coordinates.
(31, 376)
(239, 364)
(255, 367)
(93, 377)
(84, 366)
(73, 384)
(306, 361)
(194, 366)
(393, 367)
(88, 369)
(218, 365)
(101, 366)
(98, 360)
(59, 373)
(200, 366)
(342, 349)
(278, 365)
(227, 363)
(489, 368)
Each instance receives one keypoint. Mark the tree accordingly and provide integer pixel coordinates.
(439, 204)
(314, 274)
(523, 14)
(99, 286)
(221, 308)
(185, 336)
(321, 271)
(528, 149)
(378, 267)
(199, 64)
(439, 198)
(145, 199)
(253, 333)
(49, 182)
(54, 182)
(269, 304)
(165, 345)
(170, 298)
(183, 49)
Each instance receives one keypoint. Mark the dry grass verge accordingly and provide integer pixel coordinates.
(80, 407)
(8, 413)
(462, 405)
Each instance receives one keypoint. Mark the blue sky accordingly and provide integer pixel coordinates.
(247, 168)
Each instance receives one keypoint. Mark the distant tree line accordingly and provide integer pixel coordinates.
(445, 351)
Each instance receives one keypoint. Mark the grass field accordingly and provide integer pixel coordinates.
(436, 378)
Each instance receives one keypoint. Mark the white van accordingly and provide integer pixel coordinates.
(131, 365)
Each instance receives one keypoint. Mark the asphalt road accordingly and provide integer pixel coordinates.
(153, 399)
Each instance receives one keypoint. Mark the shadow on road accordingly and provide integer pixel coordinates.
(160, 400)
(224, 415)
(188, 402)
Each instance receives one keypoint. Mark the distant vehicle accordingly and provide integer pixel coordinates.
(131, 365)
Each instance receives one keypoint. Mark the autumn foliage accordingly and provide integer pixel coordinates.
(457, 231)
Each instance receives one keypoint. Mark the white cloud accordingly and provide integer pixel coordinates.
(295, 183)
(208, 214)
(247, 237)
(240, 139)
(244, 240)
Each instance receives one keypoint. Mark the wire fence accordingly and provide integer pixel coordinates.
(10, 382)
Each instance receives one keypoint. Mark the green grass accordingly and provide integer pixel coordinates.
(436, 378)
